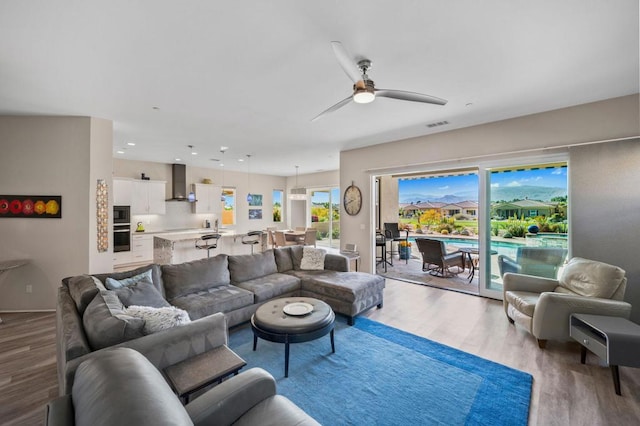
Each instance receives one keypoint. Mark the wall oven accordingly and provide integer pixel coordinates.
(121, 228)
(122, 214)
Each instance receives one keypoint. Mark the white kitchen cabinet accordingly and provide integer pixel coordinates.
(141, 248)
(208, 197)
(121, 258)
(122, 192)
(148, 197)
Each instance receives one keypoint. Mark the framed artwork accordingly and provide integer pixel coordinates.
(102, 215)
(31, 206)
(255, 200)
(255, 213)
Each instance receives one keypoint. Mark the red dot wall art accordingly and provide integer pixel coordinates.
(31, 206)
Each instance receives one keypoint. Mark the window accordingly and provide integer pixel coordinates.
(229, 206)
(277, 205)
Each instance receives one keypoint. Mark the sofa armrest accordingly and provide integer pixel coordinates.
(59, 412)
(336, 262)
(227, 402)
(551, 315)
(530, 283)
(168, 347)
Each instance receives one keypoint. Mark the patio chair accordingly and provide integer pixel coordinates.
(538, 261)
(436, 260)
(542, 306)
(392, 233)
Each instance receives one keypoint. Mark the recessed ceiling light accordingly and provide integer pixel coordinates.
(178, 159)
(240, 160)
(194, 153)
(131, 143)
(120, 151)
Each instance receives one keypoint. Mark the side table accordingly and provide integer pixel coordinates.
(613, 339)
(202, 370)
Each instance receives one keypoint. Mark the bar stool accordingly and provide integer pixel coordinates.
(208, 242)
(381, 241)
(252, 238)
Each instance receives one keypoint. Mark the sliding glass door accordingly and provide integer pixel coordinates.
(527, 222)
(325, 216)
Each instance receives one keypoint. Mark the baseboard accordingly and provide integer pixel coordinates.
(26, 311)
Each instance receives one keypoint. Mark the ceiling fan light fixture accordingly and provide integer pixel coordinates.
(363, 96)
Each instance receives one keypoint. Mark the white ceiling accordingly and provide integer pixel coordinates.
(251, 75)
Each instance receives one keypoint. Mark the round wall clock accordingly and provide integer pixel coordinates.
(352, 200)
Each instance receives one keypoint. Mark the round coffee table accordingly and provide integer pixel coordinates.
(308, 319)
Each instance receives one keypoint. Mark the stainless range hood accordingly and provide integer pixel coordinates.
(179, 184)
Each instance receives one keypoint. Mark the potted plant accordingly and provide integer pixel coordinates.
(404, 249)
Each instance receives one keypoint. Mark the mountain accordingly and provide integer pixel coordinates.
(542, 193)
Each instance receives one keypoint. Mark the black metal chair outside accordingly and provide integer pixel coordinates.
(436, 260)
(208, 242)
(393, 233)
(381, 241)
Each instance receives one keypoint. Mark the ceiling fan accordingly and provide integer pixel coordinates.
(364, 90)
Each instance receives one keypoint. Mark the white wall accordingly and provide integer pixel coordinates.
(530, 135)
(605, 208)
(51, 156)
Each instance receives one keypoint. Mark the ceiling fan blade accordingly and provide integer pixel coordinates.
(410, 96)
(333, 108)
(346, 61)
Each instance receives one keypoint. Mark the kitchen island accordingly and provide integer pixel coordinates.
(179, 247)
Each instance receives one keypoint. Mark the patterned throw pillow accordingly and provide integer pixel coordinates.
(158, 319)
(312, 259)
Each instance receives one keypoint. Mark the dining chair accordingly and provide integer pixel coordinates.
(310, 237)
(281, 240)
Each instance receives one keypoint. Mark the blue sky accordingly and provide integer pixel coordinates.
(466, 186)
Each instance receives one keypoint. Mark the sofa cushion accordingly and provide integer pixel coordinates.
(591, 278)
(249, 266)
(347, 286)
(296, 256)
(156, 275)
(271, 286)
(312, 259)
(121, 387)
(142, 293)
(523, 301)
(158, 319)
(223, 298)
(283, 259)
(83, 289)
(113, 284)
(192, 277)
(106, 324)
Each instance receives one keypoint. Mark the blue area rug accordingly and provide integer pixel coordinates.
(380, 375)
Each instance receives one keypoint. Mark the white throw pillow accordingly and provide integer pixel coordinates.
(158, 319)
(312, 259)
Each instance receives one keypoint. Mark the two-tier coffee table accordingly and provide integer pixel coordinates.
(293, 320)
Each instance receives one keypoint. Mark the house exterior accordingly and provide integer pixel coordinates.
(524, 208)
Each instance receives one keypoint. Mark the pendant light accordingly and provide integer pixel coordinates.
(222, 150)
(297, 196)
(249, 196)
(192, 196)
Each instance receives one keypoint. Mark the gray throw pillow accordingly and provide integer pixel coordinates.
(82, 289)
(283, 259)
(106, 324)
(113, 284)
(142, 293)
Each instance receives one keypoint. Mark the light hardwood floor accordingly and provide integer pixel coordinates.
(564, 391)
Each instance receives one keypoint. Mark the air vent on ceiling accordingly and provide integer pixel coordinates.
(439, 123)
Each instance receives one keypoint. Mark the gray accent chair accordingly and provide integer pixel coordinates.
(436, 260)
(121, 387)
(539, 261)
(542, 306)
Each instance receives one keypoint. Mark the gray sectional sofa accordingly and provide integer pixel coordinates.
(91, 318)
